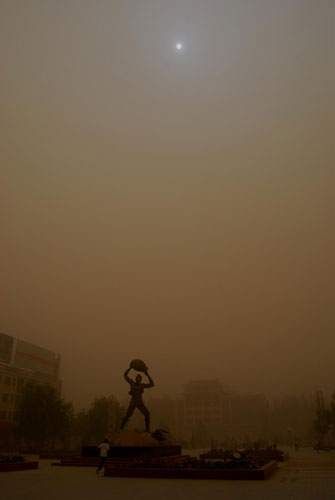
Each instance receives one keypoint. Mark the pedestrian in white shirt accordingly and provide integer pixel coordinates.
(104, 448)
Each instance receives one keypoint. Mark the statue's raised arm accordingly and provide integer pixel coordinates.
(151, 382)
(128, 379)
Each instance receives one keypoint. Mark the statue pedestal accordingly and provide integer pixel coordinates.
(131, 444)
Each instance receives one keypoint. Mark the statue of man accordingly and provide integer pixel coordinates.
(136, 391)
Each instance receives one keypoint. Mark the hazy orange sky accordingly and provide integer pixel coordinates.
(175, 206)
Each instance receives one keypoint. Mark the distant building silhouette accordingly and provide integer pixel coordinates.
(20, 362)
(207, 411)
(217, 413)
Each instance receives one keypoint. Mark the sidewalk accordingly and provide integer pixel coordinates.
(307, 476)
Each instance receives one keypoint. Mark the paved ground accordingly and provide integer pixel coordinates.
(307, 476)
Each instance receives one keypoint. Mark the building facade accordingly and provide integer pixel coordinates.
(212, 412)
(207, 413)
(20, 362)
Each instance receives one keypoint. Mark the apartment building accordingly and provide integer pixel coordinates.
(20, 362)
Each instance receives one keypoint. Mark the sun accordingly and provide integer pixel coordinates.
(179, 46)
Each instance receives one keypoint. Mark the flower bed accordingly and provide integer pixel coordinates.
(261, 455)
(78, 461)
(269, 454)
(218, 454)
(9, 459)
(12, 466)
(191, 468)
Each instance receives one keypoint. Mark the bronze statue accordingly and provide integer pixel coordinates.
(136, 391)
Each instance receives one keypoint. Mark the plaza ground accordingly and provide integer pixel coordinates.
(306, 476)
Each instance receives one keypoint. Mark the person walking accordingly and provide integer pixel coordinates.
(104, 449)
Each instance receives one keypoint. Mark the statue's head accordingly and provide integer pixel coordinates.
(138, 379)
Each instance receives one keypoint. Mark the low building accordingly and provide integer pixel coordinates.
(20, 362)
(167, 414)
(203, 402)
(212, 413)
(208, 413)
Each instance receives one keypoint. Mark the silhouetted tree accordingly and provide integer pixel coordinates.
(294, 412)
(332, 412)
(98, 419)
(116, 414)
(42, 415)
(92, 425)
(80, 427)
(322, 422)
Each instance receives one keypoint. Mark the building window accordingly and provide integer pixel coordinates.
(12, 397)
(20, 384)
(7, 380)
(3, 415)
(13, 382)
(5, 397)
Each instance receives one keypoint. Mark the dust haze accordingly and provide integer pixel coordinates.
(171, 206)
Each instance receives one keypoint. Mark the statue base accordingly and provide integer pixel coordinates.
(131, 444)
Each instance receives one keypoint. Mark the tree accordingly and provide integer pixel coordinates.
(42, 415)
(115, 414)
(98, 419)
(332, 411)
(103, 416)
(322, 422)
(80, 427)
